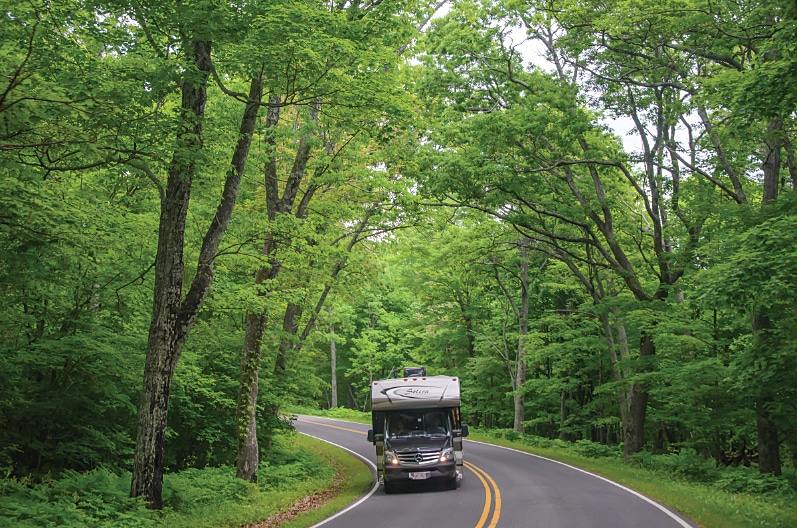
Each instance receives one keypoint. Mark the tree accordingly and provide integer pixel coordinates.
(174, 313)
(352, 78)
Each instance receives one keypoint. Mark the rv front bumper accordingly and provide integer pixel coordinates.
(439, 470)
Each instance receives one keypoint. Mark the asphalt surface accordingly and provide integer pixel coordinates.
(501, 488)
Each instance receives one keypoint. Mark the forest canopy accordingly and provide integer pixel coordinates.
(210, 211)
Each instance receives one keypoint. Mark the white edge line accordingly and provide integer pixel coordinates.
(362, 499)
(670, 513)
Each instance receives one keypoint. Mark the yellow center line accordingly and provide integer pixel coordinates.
(476, 471)
(488, 496)
(497, 509)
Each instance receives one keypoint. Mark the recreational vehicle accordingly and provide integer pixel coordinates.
(417, 429)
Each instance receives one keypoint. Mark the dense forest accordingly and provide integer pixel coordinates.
(213, 210)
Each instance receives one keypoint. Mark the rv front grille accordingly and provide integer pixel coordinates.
(419, 457)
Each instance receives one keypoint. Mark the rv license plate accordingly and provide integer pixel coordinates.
(420, 475)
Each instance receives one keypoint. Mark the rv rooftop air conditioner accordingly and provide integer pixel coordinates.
(414, 371)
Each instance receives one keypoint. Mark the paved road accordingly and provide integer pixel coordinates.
(501, 488)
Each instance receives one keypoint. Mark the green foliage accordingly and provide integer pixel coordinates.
(589, 449)
(195, 497)
(209, 497)
(97, 498)
(77, 415)
(748, 480)
(687, 464)
(348, 414)
(448, 161)
(201, 425)
(582, 447)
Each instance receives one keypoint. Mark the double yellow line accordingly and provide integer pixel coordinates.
(490, 487)
(488, 483)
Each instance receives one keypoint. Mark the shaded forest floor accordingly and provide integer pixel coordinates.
(300, 481)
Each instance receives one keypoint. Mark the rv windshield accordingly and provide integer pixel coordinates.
(416, 423)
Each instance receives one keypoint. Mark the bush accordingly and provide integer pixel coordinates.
(687, 464)
(590, 449)
(749, 480)
(193, 497)
(192, 488)
(506, 434)
(97, 498)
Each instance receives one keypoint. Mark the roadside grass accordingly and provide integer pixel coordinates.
(354, 480)
(296, 467)
(327, 472)
(687, 484)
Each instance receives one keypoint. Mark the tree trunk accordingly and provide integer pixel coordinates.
(470, 336)
(172, 316)
(768, 445)
(246, 405)
(248, 452)
(164, 344)
(333, 360)
(523, 330)
(791, 161)
(771, 165)
(634, 400)
(637, 403)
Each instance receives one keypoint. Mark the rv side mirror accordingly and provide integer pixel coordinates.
(464, 430)
(371, 435)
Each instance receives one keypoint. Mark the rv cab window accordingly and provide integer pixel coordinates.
(417, 423)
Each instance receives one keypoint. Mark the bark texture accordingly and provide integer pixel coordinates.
(173, 316)
(169, 325)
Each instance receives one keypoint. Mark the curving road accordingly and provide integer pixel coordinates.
(501, 488)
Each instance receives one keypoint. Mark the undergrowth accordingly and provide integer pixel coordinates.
(209, 497)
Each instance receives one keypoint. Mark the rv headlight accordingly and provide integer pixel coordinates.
(447, 454)
(391, 458)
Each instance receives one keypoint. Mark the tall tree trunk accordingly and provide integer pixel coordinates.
(791, 161)
(248, 452)
(771, 166)
(246, 404)
(523, 331)
(172, 316)
(633, 401)
(333, 360)
(164, 344)
(248, 457)
(636, 401)
(768, 445)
